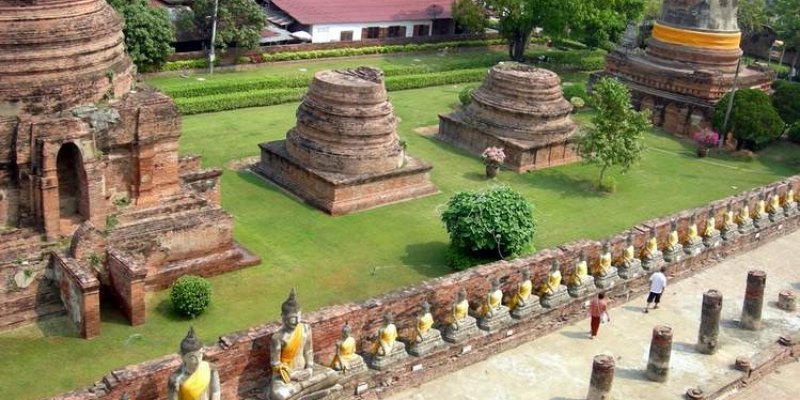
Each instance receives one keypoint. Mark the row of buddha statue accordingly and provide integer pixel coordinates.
(295, 375)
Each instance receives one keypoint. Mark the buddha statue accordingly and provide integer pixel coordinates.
(694, 243)
(461, 325)
(630, 267)
(775, 209)
(550, 292)
(604, 274)
(652, 258)
(196, 379)
(346, 359)
(493, 314)
(761, 219)
(711, 235)
(425, 338)
(579, 282)
(789, 203)
(743, 219)
(387, 349)
(729, 227)
(674, 250)
(294, 373)
(520, 303)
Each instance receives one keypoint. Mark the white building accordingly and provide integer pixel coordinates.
(355, 20)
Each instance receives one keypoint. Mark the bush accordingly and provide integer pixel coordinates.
(190, 295)
(577, 103)
(573, 60)
(465, 95)
(786, 101)
(753, 120)
(577, 89)
(495, 223)
(794, 133)
(460, 260)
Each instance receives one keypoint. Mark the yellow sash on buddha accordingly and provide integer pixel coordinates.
(197, 383)
(346, 350)
(692, 38)
(388, 336)
(425, 323)
(461, 310)
(288, 354)
(522, 294)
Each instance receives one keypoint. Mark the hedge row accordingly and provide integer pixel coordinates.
(576, 60)
(207, 88)
(268, 97)
(345, 52)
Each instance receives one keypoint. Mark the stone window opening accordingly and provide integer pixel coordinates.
(73, 199)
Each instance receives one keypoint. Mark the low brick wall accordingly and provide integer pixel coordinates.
(128, 283)
(242, 357)
(80, 293)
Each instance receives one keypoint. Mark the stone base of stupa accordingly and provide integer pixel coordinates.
(521, 155)
(339, 194)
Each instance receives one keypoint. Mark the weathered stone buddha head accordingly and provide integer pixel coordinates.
(388, 318)
(673, 224)
(693, 219)
(495, 284)
(426, 307)
(191, 352)
(606, 248)
(526, 274)
(555, 266)
(629, 239)
(290, 311)
(462, 295)
(346, 331)
(582, 256)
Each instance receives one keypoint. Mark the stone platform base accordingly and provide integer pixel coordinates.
(712, 241)
(585, 287)
(531, 306)
(560, 297)
(674, 254)
(761, 221)
(498, 320)
(608, 281)
(654, 263)
(398, 354)
(339, 194)
(467, 329)
(521, 155)
(694, 248)
(431, 341)
(630, 269)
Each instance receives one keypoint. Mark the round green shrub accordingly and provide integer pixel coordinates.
(190, 295)
(576, 90)
(794, 133)
(494, 223)
(465, 95)
(577, 102)
(786, 100)
(753, 121)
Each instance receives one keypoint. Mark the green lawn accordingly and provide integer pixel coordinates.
(333, 260)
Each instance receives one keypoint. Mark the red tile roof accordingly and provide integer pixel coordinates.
(310, 12)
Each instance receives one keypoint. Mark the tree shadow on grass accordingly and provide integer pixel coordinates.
(429, 259)
(557, 181)
(475, 176)
(164, 308)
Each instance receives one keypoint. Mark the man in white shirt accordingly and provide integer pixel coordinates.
(658, 282)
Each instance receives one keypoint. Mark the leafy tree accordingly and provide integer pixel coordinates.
(786, 100)
(148, 33)
(753, 16)
(615, 138)
(519, 17)
(598, 22)
(787, 24)
(471, 15)
(239, 22)
(753, 120)
(497, 222)
(652, 9)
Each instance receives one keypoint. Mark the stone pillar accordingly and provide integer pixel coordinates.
(660, 353)
(787, 300)
(753, 300)
(707, 339)
(602, 378)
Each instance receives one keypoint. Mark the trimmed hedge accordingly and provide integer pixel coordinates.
(269, 97)
(190, 295)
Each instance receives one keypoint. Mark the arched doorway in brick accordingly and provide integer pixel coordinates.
(73, 196)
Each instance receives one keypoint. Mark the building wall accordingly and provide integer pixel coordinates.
(325, 33)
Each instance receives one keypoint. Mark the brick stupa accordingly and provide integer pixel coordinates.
(86, 157)
(521, 109)
(344, 154)
(689, 64)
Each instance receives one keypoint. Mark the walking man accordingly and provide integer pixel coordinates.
(658, 282)
(598, 309)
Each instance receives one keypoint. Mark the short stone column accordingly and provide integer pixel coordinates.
(707, 339)
(753, 300)
(787, 300)
(660, 353)
(602, 378)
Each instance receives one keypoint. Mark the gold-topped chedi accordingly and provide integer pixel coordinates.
(346, 358)
(344, 155)
(688, 65)
(294, 374)
(196, 379)
(521, 109)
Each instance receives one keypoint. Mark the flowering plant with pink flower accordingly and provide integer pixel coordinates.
(706, 138)
(493, 156)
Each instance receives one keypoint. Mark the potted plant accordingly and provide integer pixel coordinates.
(705, 139)
(493, 157)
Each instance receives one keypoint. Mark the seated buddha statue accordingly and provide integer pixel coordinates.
(387, 349)
(460, 325)
(652, 258)
(346, 359)
(196, 379)
(761, 218)
(711, 235)
(553, 282)
(674, 250)
(579, 282)
(424, 338)
(774, 208)
(493, 314)
(520, 304)
(743, 219)
(789, 203)
(694, 243)
(630, 267)
(604, 273)
(293, 372)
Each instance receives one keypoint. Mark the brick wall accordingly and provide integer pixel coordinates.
(242, 357)
(128, 283)
(80, 293)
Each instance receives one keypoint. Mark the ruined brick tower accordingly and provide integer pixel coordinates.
(86, 156)
(689, 64)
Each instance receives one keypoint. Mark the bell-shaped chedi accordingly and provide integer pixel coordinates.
(689, 64)
(521, 109)
(344, 154)
(84, 157)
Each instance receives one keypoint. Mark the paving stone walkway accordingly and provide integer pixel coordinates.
(558, 366)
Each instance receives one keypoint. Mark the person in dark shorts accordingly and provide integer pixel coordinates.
(658, 283)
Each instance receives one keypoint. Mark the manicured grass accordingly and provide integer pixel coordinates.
(334, 260)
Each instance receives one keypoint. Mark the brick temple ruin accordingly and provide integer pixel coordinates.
(689, 64)
(344, 154)
(521, 109)
(93, 195)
